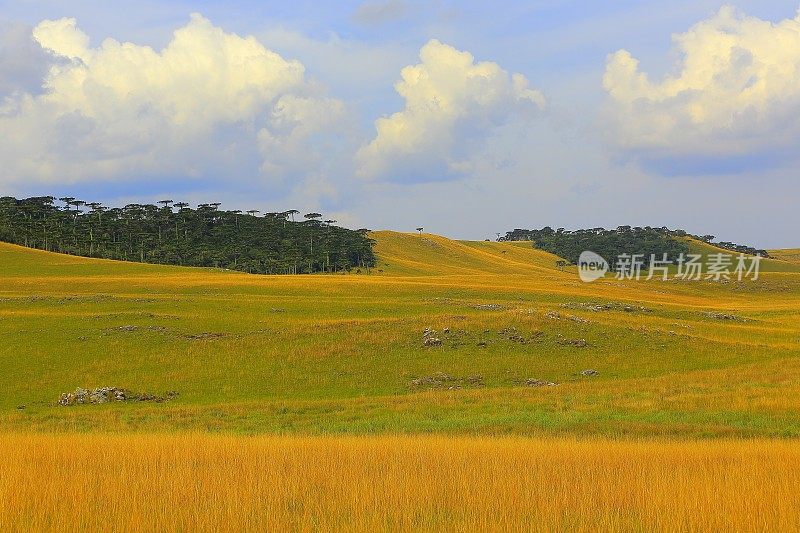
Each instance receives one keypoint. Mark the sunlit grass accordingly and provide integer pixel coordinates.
(337, 353)
(208, 483)
(297, 410)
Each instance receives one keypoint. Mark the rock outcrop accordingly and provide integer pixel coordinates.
(110, 394)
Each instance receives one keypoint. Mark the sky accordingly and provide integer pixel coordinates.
(466, 118)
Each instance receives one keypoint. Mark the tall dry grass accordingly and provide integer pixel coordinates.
(203, 483)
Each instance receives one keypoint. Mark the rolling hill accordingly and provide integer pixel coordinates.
(426, 254)
(791, 255)
(777, 262)
(346, 353)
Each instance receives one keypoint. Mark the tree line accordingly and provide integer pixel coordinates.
(176, 234)
(611, 243)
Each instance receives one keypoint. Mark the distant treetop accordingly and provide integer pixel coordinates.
(173, 233)
(612, 243)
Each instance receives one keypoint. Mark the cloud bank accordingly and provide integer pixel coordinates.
(23, 63)
(210, 102)
(735, 93)
(452, 104)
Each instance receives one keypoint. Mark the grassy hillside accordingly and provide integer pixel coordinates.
(345, 353)
(791, 255)
(426, 254)
(776, 263)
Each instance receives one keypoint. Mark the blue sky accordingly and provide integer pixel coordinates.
(543, 123)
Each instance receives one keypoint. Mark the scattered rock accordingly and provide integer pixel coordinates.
(99, 395)
(611, 306)
(513, 335)
(432, 341)
(722, 316)
(442, 380)
(539, 383)
(436, 380)
(578, 343)
(147, 397)
(204, 336)
(429, 338)
(109, 394)
(108, 316)
(596, 307)
(578, 319)
(488, 307)
(81, 395)
(589, 372)
(20, 407)
(555, 315)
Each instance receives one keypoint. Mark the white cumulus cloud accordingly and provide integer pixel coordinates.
(452, 104)
(735, 92)
(209, 102)
(23, 63)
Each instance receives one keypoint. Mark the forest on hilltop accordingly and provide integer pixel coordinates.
(611, 243)
(174, 233)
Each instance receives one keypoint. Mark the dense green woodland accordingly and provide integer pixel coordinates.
(612, 243)
(173, 233)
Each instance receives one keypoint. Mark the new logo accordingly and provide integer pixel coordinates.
(591, 266)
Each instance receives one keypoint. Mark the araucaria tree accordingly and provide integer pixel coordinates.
(173, 233)
(610, 243)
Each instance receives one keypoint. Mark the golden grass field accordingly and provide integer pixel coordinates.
(297, 407)
(791, 255)
(197, 482)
